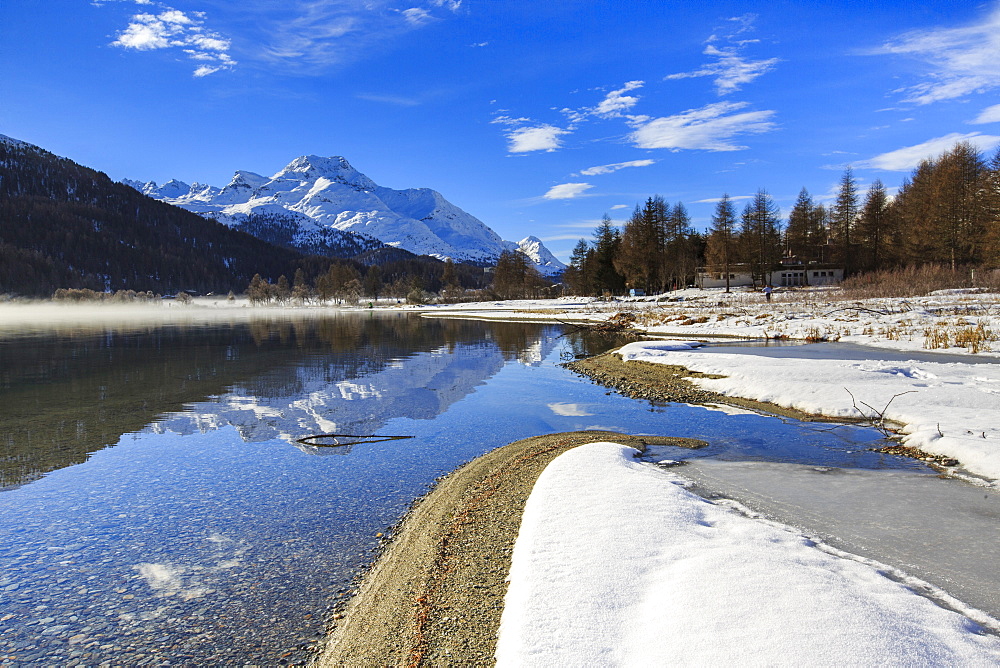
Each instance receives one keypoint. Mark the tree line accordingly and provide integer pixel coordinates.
(346, 282)
(946, 212)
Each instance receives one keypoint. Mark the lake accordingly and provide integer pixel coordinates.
(157, 502)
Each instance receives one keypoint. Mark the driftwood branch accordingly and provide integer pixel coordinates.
(876, 418)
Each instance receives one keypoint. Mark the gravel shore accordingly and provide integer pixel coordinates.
(669, 383)
(435, 596)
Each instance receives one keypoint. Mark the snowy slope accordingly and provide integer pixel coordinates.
(685, 582)
(15, 142)
(319, 194)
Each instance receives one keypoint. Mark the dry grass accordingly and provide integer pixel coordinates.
(918, 281)
(960, 335)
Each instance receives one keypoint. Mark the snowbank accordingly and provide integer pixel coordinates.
(617, 564)
(952, 409)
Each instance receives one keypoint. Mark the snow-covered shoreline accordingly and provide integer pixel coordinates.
(949, 408)
(688, 582)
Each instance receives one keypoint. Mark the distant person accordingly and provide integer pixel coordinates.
(767, 292)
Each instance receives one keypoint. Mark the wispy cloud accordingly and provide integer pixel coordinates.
(715, 200)
(988, 115)
(397, 100)
(561, 237)
(709, 128)
(616, 102)
(453, 5)
(908, 157)
(417, 16)
(304, 36)
(608, 169)
(619, 206)
(962, 60)
(567, 190)
(730, 69)
(172, 28)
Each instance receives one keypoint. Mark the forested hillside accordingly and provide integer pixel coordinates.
(63, 225)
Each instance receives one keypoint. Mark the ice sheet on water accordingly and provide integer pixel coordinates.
(944, 531)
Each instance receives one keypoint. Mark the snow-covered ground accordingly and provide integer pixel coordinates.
(617, 564)
(949, 321)
(946, 408)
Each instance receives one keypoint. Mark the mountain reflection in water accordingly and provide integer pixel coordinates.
(69, 395)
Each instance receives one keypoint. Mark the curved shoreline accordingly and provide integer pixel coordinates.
(435, 595)
(669, 383)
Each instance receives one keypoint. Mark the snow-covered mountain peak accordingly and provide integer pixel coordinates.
(544, 260)
(335, 168)
(314, 198)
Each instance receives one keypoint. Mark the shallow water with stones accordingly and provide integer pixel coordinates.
(157, 505)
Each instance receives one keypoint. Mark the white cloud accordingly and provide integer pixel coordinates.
(989, 115)
(619, 206)
(731, 70)
(962, 60)
(567, 190)
(417, 16)
(145, 32)
(615, 102)
(908, 157)
(306, 36)
(525, 139)
(607, 169)
(173, 28)
(709, 128)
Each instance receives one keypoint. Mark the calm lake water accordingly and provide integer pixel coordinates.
(156, 505)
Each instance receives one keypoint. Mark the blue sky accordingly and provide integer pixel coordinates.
(536, 117)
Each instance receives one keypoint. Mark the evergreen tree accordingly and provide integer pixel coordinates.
(257, 291)
(800, 234)
(607, 241)
(373, 282)
(515, 277)
(944, 210)
(843, 220)
(760, 236)
(678, 247)
(719, 254)
(991, 202)
(282, 290)
(577, 274)
(875, 238)
(640, 255)
(448, 278)
(300, 287)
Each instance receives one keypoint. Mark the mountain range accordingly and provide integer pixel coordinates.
(316, 204)
(64, 225)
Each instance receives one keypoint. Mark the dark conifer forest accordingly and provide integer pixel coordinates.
(63, 225)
